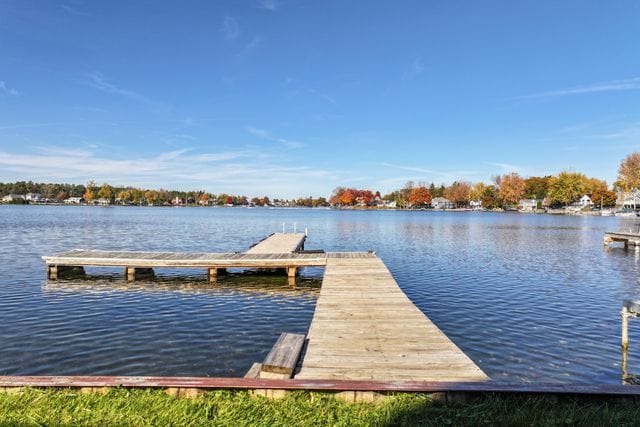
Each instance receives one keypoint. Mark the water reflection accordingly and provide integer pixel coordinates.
(270, 285)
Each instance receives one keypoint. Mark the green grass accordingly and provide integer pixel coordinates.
(124, 407)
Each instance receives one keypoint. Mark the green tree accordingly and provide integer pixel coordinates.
(536, 187)
(567, 187)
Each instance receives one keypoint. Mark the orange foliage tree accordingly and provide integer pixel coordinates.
(512, 188)
(420, 197)
(351, 196)
(458, 193)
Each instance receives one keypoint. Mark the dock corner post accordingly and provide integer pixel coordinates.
(607, 240)
(213, 275)
(626, 314)
(130, 274)
(52, 272)
(292, 272)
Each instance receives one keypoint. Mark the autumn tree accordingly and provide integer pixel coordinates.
(629, 172)
(511, 188)
(487, 194)
(604, 197)
(567, 187)
(150, 196)
(420, 197)
(105, 192)
(458, 193)
(90, 191)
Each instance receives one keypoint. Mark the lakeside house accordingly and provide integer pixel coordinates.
(34, 197)
(13, 198)
(628, 199)
(441, 203)
(528, 205)
(585, 201)
(74, 200)
(476, 205)
(102, 201)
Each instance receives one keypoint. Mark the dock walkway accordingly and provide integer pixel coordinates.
(279, 243)
(365, 328)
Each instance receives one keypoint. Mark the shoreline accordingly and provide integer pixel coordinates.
(559, 211)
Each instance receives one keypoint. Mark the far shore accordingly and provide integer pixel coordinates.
(550, 211)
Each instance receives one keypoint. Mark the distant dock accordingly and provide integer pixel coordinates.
(364, 326)
(627, 238)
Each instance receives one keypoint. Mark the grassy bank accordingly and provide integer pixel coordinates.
(148, 407)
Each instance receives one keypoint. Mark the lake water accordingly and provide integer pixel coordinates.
(533, 298)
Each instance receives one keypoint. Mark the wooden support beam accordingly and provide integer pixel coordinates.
(55, 272)
(214, 272)
(292, 271)
(134, 273)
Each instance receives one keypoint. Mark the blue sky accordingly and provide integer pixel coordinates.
(292, 98)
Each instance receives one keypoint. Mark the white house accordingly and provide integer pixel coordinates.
(12, 198)
(33, 197)
(441, 203)
(585, 201)
(629, 199)
(476, 205)
(527, 205)
(74, 200)
(102, 201)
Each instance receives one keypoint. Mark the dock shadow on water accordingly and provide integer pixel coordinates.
(100, 324)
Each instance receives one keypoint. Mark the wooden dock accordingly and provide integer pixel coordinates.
(278, 250)
(628, 238)
(365, 328)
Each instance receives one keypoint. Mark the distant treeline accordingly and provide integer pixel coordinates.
(131, 195)
(505, 191)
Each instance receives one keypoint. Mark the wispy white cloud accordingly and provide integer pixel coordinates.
(99, 82)
(613, 85)
(264, 134)
(249, 47)
(506, 167)
(430, 175)
(73, 11)
(8, 90)
(236, 171)
(415, 69)
(271, 5)
(230, 28)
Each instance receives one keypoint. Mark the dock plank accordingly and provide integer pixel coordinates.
(365, 327)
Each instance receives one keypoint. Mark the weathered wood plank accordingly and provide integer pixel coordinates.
(365, 327)
(283, 357)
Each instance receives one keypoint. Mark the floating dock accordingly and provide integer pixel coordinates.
(364, 326)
